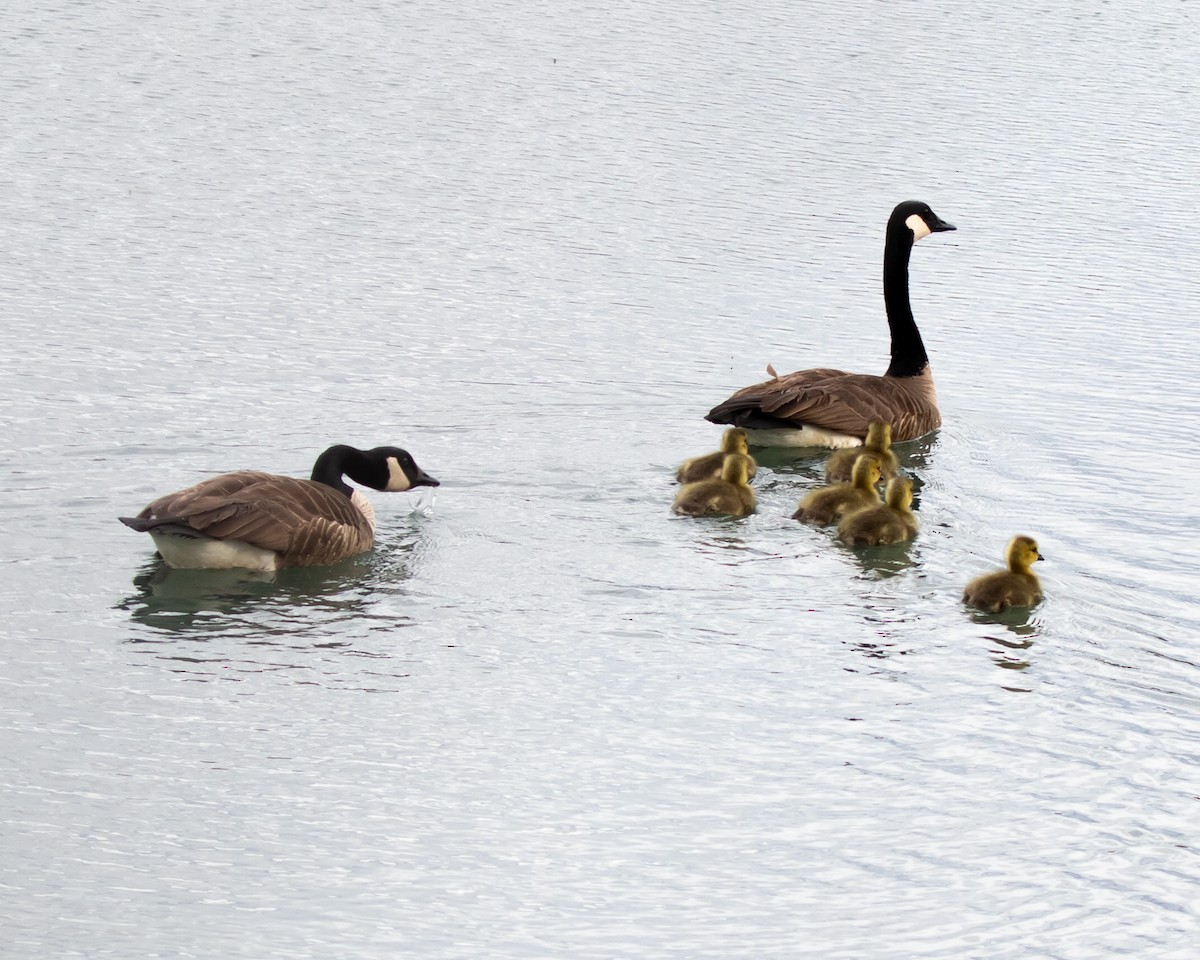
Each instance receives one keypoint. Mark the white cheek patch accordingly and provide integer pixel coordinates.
(918, 226)
(397, 478)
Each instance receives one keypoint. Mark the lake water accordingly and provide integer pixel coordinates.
(534, 243)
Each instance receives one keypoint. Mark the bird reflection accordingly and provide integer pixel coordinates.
(884, 560)
(210, 603)
(1018, 620)
(1011, 651)
(914, 456)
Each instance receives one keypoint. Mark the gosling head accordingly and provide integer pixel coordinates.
(734, 440)
(736, 469)
(918, 219)
(1022, 553)
(867, 471)
(879, 435)
(899, 494)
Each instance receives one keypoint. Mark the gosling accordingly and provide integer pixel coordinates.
(730, 494)
(1018, 586)
(827, 504)
(840, 465)
(708, 467)
(891, 522)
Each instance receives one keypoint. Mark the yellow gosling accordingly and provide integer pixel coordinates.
(1018, 586)
(730, 494)
(891, 522)
(827, 504)
(708, 467)
(878, 442)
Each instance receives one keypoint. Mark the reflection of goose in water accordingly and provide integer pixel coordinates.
(217, 600)
(336, 625)
(264, 521)
(326, 626)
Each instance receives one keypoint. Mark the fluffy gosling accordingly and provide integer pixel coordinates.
(840, 465)
(730, 494)
(708, 467)
(891, 522)
(826, 505)
(1018, 586)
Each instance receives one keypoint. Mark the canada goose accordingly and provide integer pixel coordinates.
(709, 466)
(840, 464)
(729, 494)
(1017, 586)
(826, 504)
(831, 408)
(264, 521)
(890, 522)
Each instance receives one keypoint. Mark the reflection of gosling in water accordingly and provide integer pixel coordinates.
(729, 494)
(840, 466)
(826, 504)
(1017, 586)
(891, 522)
(708, 467)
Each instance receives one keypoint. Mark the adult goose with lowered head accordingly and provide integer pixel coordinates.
(831, 408)
(264, 521)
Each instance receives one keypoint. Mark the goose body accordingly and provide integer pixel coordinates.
(826, 505)
(890, 522)
(709, 465)
(729, 495)
(1018, 586)
(265, 521)
(832, 408)
(840, 465)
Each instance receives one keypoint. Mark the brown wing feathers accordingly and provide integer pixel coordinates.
(843, 402)
(304, 522)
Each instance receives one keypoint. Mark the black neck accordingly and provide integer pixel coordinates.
(339, 460)
(908, 351)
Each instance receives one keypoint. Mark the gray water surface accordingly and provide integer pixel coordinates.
(534, 243)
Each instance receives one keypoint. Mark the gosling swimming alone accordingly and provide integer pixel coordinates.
(827, 504)
(890, 522)
(1018, 586)
(708, 467)
(730, 494)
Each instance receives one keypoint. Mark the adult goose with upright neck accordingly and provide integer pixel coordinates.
(832, 408)
(264, 521)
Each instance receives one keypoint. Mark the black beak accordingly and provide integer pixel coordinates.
(939, 225)
(425, 480)
(1041, 556)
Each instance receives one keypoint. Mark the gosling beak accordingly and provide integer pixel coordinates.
(1040, 556)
